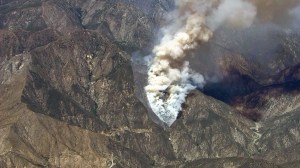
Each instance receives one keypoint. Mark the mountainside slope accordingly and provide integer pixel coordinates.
(67, 96)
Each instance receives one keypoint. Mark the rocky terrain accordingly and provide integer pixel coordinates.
(67, 94)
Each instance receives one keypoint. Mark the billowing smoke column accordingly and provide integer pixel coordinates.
(192, 23)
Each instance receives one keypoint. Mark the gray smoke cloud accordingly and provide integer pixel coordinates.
(192, 24)
(271, 11)
(295, 13)
(235, 13)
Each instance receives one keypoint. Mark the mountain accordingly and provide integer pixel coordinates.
(68, 93)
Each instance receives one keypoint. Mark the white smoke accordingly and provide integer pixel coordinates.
(169, 77)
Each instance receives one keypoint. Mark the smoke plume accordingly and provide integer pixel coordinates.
(192, 23)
